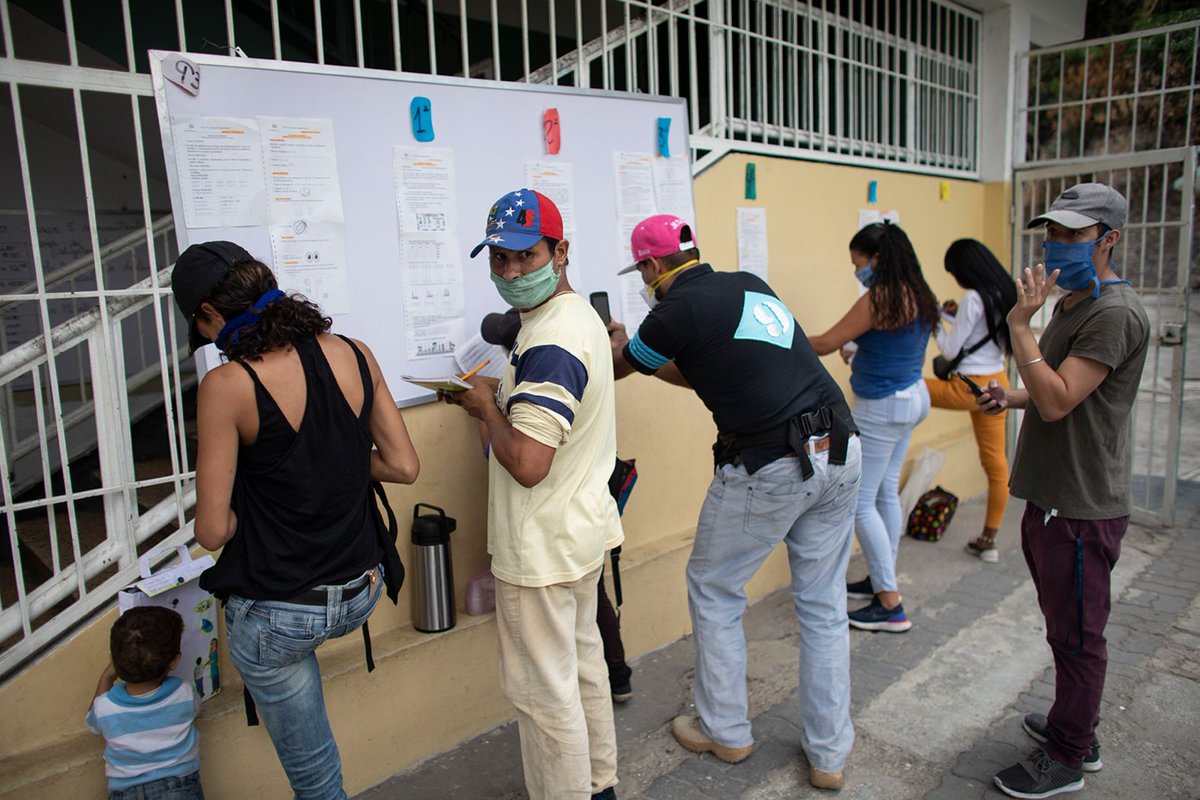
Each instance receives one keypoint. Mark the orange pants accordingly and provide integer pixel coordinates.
(989, 435)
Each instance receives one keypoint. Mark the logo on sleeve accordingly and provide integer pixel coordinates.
(766, 319)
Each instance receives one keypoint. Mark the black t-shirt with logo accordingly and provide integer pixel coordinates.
(740, 348)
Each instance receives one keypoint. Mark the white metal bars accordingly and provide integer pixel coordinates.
(1121, 94)
(888, 82)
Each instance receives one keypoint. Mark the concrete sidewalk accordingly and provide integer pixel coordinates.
(938, 709)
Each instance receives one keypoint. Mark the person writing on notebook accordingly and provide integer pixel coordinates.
(291, 432)
(551, 420)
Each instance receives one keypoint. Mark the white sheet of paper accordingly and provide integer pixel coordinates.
(635, 184)
(432, 281)
(220, 168)
(633, 307)
(673, 188)
(556, 180)
(425, 199)
(752, 240)
(310, 258)
(301, 170)
(474, 351)
(869, 216)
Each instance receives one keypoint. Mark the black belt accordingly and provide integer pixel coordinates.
(795, 433)
(320, 597)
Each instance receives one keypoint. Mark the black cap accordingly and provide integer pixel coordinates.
(501, 329)
(197, 272)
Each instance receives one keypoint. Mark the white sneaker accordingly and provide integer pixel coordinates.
(988, 555)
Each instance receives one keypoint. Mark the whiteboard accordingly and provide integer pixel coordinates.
(493, 129)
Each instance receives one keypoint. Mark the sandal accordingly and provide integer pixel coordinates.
(984, 547)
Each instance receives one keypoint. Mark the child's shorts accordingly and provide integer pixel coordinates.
(169, 788)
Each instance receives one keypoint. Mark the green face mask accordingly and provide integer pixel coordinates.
(529, 290)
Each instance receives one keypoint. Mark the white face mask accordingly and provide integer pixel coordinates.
(649, 296)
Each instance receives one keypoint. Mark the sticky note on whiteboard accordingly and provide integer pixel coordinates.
(664, 137)
(552, 131)
(944, 190)
(421, 111)
(183, 73)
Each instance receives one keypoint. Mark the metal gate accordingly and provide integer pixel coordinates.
(1154, 253)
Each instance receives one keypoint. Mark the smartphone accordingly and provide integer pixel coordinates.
(599, 301)
(972, 385)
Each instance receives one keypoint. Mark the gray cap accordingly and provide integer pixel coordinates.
(1084, 205)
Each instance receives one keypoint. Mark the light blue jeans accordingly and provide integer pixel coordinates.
(886, 426)
(273, 646)
(744, 517)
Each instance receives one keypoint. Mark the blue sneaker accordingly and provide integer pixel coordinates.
(877, 618)
(860, 590)
(608, 794)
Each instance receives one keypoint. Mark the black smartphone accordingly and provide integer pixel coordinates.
(972, 385)
(599, 302)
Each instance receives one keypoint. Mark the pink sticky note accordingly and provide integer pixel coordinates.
(552, 130)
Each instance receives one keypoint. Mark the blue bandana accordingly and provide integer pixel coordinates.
(246, 318)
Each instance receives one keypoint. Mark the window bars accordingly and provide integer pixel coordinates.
(1122, 94)
(94, 385)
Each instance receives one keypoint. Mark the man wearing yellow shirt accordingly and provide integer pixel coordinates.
(551, 419)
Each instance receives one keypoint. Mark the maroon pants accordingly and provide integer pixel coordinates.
(1070, 561)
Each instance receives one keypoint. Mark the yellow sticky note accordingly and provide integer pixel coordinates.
(944, 190)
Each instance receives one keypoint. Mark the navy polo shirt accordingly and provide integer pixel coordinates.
(739, 347)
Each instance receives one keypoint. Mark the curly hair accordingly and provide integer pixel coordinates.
(143, 642)
(281, 324)
(899, 288)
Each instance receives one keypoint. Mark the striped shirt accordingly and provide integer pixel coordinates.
(558, 390)
(147, 737)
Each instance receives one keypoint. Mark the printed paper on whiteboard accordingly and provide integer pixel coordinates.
(220, 172)
(752, 241)
(425, 200)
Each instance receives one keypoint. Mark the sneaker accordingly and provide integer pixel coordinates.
(608, 794)
(860, 590)
(826, 780)
(988, 555)
(1036, 724)
(1039, 776)
(622, 693)
(877, 618)
(686, 730)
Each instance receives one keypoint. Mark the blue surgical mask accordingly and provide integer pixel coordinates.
(866, 275)
(528, 291)
(1074, 263)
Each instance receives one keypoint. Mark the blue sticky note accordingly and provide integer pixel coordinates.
(751, 182)
(873, 192)
(664, 137)
(421, 111)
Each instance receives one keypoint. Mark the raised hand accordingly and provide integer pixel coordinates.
(1033, 288)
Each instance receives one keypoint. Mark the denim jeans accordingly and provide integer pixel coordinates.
(170, 788)
(744, 517)
(273, 646)
(886, 425)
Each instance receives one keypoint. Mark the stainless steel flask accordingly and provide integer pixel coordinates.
(433, 573)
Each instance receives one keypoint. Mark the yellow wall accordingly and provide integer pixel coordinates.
(430, 692)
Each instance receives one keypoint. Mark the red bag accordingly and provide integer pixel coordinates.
(932, 515)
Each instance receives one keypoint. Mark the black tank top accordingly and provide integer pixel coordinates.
(302, 497)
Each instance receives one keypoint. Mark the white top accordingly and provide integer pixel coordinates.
(964, 331)
(557, 388)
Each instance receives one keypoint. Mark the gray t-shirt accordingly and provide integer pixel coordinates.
(1081, 465)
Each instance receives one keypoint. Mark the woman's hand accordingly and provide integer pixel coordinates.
(1033, 288)
(950, 307)
(994, 399)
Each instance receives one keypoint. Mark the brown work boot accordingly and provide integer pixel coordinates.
(686, 730)
(826, 780)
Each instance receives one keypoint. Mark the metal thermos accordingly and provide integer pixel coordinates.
(433, 575)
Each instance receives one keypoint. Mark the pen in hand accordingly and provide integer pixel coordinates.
(472, 372)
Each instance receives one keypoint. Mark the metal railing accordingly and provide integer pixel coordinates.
(1121, 94)
(889, 83)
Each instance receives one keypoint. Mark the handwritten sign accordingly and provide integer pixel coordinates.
(421, 111)
(183, 73)
(552, 131)
(664, 137)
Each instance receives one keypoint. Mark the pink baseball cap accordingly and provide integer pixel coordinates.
(659, 236)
